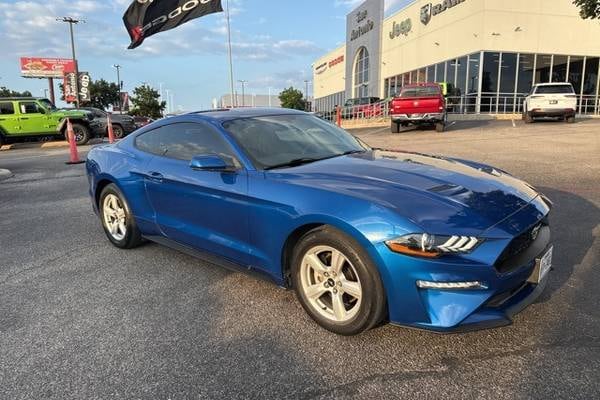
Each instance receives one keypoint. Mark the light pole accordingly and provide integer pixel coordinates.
(243, 82)
(306, 82)
(71, 21)
(118, 68)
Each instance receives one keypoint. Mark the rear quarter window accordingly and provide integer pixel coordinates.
(7, 108)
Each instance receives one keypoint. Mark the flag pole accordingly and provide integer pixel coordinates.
(230, 57)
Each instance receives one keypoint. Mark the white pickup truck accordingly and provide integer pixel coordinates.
(556, 100)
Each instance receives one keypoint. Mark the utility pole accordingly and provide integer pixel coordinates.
(243, 82)
(71, 21)
(118, 67)
(168, 101)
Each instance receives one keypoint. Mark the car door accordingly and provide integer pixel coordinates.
(33, 118)
(206, 210)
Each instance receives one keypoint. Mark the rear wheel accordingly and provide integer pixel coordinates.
(118, 131)
(81, 133)
(336, 282)
(570, 120)
(395, 127)
(528, 118)
(117, 219)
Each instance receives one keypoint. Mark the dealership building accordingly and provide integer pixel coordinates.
(490, 52)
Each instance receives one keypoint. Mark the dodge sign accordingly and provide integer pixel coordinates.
(36, 67)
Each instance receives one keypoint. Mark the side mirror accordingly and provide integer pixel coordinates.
(210, 162)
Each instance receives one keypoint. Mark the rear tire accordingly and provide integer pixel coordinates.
(570, 120)
(528, 118)
(118, 131)
(81, 132)
(117, 220)
(395, 127)
(347, 297)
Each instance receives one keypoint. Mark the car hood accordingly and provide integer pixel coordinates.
(441, 195)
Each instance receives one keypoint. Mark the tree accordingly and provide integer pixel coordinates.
(145, 102)
(4, 92)
(292, 98)
(588, 8)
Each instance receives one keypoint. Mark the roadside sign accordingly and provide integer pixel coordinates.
(37, 67)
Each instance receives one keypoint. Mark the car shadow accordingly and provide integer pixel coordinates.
(573, 220)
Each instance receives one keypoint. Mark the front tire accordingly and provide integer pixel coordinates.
(117, 220)
(336, 282)
(440, 127)
(570, 120)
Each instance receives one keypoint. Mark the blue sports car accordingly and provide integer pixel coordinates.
(363, 235)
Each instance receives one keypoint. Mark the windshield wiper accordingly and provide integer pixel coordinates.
(353, 152)
(293, 163)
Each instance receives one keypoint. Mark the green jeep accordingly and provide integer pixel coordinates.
(28, 117)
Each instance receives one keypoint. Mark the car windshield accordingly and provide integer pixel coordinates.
(422, 91)
(290, 140)
(48, 104)
(555, 89)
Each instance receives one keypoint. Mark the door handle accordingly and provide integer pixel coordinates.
(155, 176)
(24, 118)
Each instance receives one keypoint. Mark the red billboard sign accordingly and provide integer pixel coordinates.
(36, 67)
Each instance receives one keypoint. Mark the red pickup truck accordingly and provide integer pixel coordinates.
(419, 104)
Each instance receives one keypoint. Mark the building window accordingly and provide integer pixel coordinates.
(525, 77)
(590, 81)
(473, 77)
(490, 73)
(508, 72)
(451, 72)
(542, 68)
(559, 69)
(361, 73)
(440, 72)
(576, 72)
(461, 76)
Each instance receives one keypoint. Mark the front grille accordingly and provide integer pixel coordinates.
(516, 247)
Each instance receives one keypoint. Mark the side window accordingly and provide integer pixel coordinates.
(182, 141)
(7, 108)
(29, 108)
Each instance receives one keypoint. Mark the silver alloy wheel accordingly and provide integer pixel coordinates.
(330, 283)
(114, 217)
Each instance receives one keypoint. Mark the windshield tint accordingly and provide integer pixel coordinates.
(424, 91)
(276, 140)
(555, 89)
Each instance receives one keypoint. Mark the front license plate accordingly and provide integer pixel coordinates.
(545, 264)
(553, 101)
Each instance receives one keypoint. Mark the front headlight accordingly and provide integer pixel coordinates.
(432, 246)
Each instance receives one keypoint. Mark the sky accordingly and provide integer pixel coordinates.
(274, 44)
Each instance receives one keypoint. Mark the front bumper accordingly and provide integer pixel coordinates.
(504, 291)
(415, 118)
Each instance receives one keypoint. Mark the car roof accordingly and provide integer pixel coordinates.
(225, 114)
(425, 84)
(20, 98)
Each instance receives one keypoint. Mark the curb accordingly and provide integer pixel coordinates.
(5, 174)
(34, 145)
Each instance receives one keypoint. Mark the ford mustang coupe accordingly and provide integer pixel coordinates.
(363, 235)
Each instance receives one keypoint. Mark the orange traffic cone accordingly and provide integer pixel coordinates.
(111, 135)
(74, 155)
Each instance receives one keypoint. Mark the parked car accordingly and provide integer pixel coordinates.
(142, 121)
(419, 104)
(122, 124)
(23, 118)
(363, 107)
(556, 100)
(363, 235)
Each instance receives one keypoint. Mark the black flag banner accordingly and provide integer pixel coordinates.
(144, 18)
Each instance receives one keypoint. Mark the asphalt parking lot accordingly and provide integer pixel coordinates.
(82, 319)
